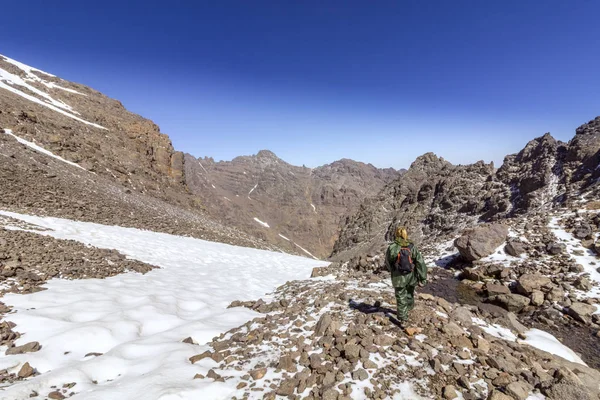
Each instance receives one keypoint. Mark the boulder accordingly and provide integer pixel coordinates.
(583, 283)
(511, 302)
(514, 248)
(519, 390)
(481, 241)
(528, 283)
(494, 289)
(583, 231)
(555, 248)
(537, 298)
(581, 311)
(565, 391)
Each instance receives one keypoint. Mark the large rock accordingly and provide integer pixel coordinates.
(481, 241)
(581, 311)
(556, 248)
(529, 283)
(515, 249)
(511, 302)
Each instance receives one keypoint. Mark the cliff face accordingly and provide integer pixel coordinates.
(86, 127)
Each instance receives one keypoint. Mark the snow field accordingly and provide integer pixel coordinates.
(138, 321)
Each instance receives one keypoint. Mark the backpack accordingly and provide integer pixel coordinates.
(404, 263)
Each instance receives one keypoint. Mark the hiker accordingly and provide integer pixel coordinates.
(408, 269)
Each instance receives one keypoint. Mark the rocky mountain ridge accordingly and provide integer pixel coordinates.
(436, 199)
(292, 204)
(85, 127)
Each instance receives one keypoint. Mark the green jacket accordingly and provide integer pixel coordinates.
(419, 274)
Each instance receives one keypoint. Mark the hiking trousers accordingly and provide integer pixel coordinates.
(405, 301)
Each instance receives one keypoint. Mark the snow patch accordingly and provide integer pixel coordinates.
(314, 208)
(138, 321)
(547, 342)
(283, 237)
(262, 223)
(252, 190)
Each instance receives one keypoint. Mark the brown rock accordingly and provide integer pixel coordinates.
(528, 283)
(56, 395)
(258, 373)
(581, 311)
(26, 371)
(198, 357)
(481, 241)
(449, 392)
(26, 348)
(497, 395)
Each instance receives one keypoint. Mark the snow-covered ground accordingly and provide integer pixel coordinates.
(138, 321)
(587, 259)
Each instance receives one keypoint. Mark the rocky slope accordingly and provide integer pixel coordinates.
(303, 207)
(436, 199)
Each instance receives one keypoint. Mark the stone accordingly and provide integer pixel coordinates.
(583, 283)
(368, 364)
(258, 373)
(511, 302)
(444, 304)
(514, 248)
(556, 248)
(323, 324)
(564, 391)
(199, 376)
(351, 352)
(360, 374)
(494, 289)
(483, 345)
(330, 394)
(213, 375)
(581, 311)
(451, 329)
(537, 298)
(188, 340)
(583, 231)
(287, 363)
(449, 392)
(26, 371)
(497, 395)
(528, 283)
(514, 323)
(198, 357)
(519, 390)
(287, 387)
(481, 241)
(462, 315)
(56, 395)
(411, 331)
(26, 348)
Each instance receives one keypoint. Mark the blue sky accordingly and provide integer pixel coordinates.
(315, 81)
